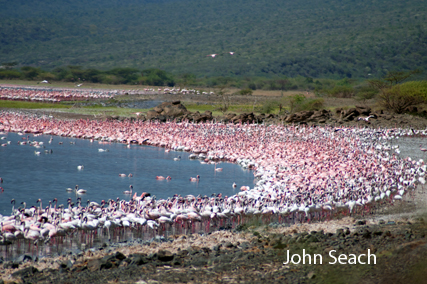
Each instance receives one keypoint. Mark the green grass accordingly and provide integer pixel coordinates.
(111, 111)
(30, 105)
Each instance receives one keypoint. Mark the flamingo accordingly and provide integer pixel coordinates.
(212, 55)
(79, 191)
(422, 149)
(365, 118)
(194, 179)
(218, 169)
(80, 167)
(128, 191)
(160, 177)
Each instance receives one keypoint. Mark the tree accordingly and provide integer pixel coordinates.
(225, 99)
(246, 92)
(30, 72)
(9, 65)
(397, 96)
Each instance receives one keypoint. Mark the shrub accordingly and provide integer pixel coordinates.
(341, 92)
(10, 74)
(267, 107)
(300, 102)
(365, 93)
(246, 92)
(399, 97)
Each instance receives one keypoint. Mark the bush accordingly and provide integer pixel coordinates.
(10, 74)
(399, 97)
(365, 93)
(300, 102)
(267, 107)
(246, 92)
(295, 102)
(341, 92)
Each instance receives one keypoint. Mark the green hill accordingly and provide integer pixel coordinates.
(312, 38)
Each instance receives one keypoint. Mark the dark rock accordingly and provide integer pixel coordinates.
(66, 264)
(120, 256)
(151, 114)
(107, 265)
(24, 258)
(367, 234)
(206, 250)
(139, 259)
(299, 116)
(158, 109)
(174, 110)
(94, 264)
(217, 247)
(349, 114)
(11, 264)
(108, 258)
(28, 271)
(199, 261)
(361, 222)
(229, 245)
(165, 255)
(311, 275)
(363, 110)
(183, 252)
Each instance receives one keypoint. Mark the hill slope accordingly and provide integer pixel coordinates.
(328, 38)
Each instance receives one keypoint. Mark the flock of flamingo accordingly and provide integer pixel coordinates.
(54, 95)
(303, 173)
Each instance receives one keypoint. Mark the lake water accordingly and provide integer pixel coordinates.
(28, 176)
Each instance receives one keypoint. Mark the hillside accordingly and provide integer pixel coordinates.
(311, 38)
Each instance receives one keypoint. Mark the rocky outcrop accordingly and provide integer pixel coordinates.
(167, 110)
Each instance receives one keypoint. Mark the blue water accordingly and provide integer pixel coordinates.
(28, 177)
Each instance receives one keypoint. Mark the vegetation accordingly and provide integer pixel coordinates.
(397, 96)
(30, 105)
(272, 39)
(400, 98)
(300, 102)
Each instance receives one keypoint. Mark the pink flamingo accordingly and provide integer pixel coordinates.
(128, 191)
(195, 179)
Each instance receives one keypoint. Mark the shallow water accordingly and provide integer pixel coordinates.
(28, 176)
